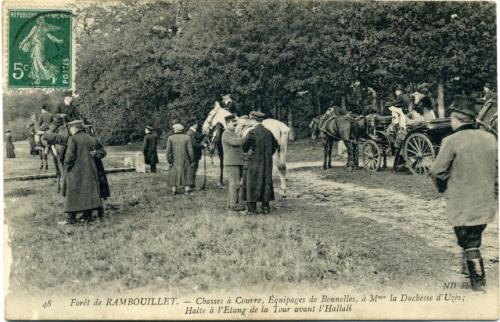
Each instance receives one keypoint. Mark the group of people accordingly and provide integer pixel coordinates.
(247, 161)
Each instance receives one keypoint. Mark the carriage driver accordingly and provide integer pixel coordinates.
(465, 170)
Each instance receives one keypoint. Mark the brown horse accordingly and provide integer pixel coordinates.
(348, 128)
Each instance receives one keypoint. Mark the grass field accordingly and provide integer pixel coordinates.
(334, 233)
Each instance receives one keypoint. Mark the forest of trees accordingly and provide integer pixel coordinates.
(155, 62)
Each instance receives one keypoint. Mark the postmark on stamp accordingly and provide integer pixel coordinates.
(40, 49)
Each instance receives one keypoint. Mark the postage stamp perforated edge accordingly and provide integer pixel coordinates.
(35, 5)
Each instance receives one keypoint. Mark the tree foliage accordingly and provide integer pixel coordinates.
(155, 62)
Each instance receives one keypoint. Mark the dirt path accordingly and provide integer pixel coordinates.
(414, 215)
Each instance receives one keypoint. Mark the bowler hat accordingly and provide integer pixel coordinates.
(230, 117)
(43, 107)
(148, 127)
(7, 131)
(257, 115)
(464, 105)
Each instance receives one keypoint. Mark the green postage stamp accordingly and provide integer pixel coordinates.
(40, 53)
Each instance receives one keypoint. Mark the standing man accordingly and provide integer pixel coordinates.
(180, 157)
(465, 170)
(82, 183)
(259, 175)
(192, 132)
(233, 160)
(149, 148)
(43, 123)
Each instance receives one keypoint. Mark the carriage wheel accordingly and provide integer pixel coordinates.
(372, 155)
(419, 153)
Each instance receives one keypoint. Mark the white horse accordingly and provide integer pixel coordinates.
(279, 130)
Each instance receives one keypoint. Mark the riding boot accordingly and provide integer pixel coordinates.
(476, 269)
(463, 264)
(153, 168)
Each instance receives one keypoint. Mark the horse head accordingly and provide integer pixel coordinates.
(215, 116)
(314, 126)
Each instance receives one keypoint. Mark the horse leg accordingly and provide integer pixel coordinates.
(330, 150)
(325, 152)
(350, 161)
(41, 161)
(355, 156)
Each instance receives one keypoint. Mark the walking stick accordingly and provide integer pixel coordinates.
(204, 170)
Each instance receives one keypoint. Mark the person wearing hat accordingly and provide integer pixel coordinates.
(465, 170)
(193, 134)
(30, 133)
(82, 189)
(424, 106)
(488, 92)
(9, 145)
(180, 157)
(45, 118)
(402, 100)
(149, 148)
(261, 145)
(44, 121)
(233, 160)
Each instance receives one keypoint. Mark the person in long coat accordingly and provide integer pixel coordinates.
(180, 155)
(192, 132)
(465, 169)
(9, 145)
(260, 144)
(149, 148)
(82, 181)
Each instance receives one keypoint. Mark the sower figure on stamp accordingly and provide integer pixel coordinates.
(466, 170)
(193, 134)
(149, 148)
(82, 182)
(259, 174)
(233, 161)
(179, 157)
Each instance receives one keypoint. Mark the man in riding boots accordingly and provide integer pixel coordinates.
(193, 134)
(44, 122)
(233, 161)
(82, 184)
(465, 170)
(260, 144)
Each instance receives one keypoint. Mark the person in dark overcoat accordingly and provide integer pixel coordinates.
(465, 170)
(260, 144)
(82, 181)
(149, 148)
(193, 134)
(9, 145)
(180, 156)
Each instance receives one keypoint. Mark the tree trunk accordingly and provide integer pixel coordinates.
(291, 135)
(440, 99)
(344, 103)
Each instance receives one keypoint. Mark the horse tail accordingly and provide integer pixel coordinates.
(284, 136)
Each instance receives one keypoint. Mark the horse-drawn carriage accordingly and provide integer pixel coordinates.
(417, 145)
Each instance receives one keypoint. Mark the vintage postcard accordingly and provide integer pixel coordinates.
(243, 160)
